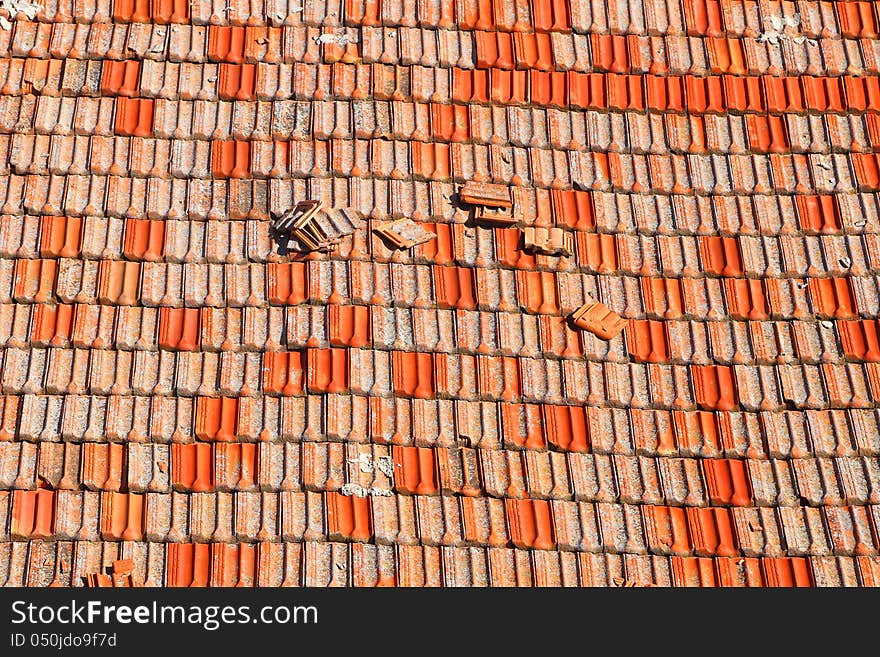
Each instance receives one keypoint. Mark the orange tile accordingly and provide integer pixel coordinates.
(134, 117)
(415, 470)
(470, 86)
(226, 43)
(824, 94)
(704, 18)
(170, 11)
(216, 418)
(327, 370)
(35, 280)
(667, 94)
(715, 387)
(566, 427)
(533, 51)
(746, 298)
(531, 524)
(860, 339)
(550, 15)
(767, 134)
(609, 52)
(231, 159)
(132, 11)
(597, 251)
(728, 482)
(726, 56)
(450, 122)
(537, 292)
(494, 49)
(454, 287)
(509, 87)
(413, 374)
(833, 297)
(119, 282)
(237, 82)
(348, 326)
(787, 571)
(666, 530)
(783, 94)
(103, 466)
(180, 329)
(144, 239)
(573, 208)
(363, 12)
(288, 283)
(33, 514)
(187, 564)
(192, 467)
(121, 78)
(721, 255)
(122, 516)
(862, 93)
(522, 426)
(430, 160)
(60, 237)
(648, 340)
(349, 518)
(818, 213)
(51, 325)
(283, 372)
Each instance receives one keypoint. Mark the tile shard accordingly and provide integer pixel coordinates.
(403, 233)
(598, 319)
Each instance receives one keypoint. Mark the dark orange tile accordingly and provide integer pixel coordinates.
(187, 564)
(216, 418)
(746, 298)
(121, 78)
(721, 255)
(715, 387)
(327, 370)
(531, 524)
(833, 297)
(712, 533)
(363, 12)
(122, 516)
(454, 287)
(33, 514)
(288, 283)
(728, 482)
(787, 571)
(237, 82)
(860, 339)
(226, 43)
(470, 86)
(60, 237)
(818, 213)
(180, 329)
(349, 518)
(704, 18)
(170, 11)
(566, 427)
(283, 372)
(231, 159)
(134, 117)
(192, 467)
(348, 326)
(597, 251)
(767, 134)
(413, 374)
(415, 470)
(132, 11)
(648, 340)
(144, 239)
(51, 325)
(537, 293)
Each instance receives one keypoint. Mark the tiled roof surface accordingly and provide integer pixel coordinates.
(181, 398)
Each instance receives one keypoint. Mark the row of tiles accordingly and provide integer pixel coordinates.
(181, 239)
(488, 425)
(371, 469)
(704, 17)
(507, 135)
(749, 336)
(676, 55)
(716, 291)
(382, 374)
(671, 174)
(321, 564)
(432, 161)
(441, 520)
(577, 111)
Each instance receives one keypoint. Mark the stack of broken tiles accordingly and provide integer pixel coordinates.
(309, 227)
(491, 203)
